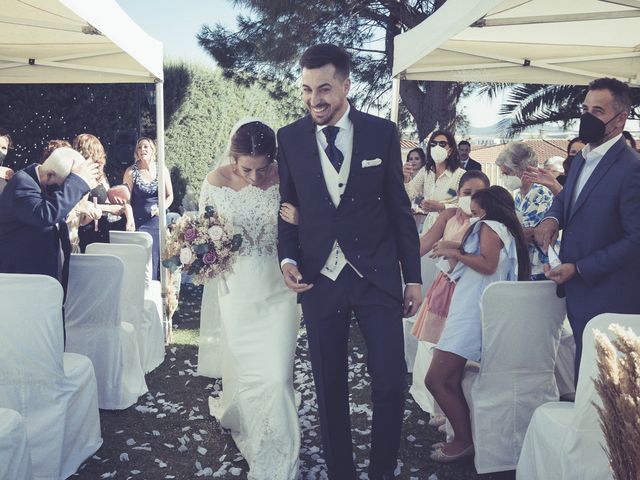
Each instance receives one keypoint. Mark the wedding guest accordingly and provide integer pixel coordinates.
(438, 181)
(91, 148)
(5, 145)
(575, 145)
(447, 232)
(83, 212)
(466, 162)
(598, 212)
(32, 215)
(142, 180)
(417, 159)
(493, 249)
(532, 200)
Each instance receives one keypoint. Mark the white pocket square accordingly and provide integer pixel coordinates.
(371, 163)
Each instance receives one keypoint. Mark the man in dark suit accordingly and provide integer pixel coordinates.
(342, 169)
(466, 162)
(598, 211)
(33, 209)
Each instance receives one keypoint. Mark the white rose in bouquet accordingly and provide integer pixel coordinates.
(186, 256)
(216, 233)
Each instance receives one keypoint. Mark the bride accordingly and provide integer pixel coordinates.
(257, 315)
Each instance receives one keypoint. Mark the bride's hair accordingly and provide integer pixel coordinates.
(253, 138)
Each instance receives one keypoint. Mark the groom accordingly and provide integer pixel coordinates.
(342, 169)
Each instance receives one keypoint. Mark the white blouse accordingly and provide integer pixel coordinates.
(441, 189)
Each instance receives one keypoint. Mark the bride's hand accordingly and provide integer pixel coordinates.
(289, 213)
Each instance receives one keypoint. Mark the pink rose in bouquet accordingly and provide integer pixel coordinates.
(190, 234)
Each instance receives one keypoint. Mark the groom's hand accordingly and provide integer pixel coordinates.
(412, 300)
(292, 278)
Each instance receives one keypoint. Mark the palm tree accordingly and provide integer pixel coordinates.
(527, 105)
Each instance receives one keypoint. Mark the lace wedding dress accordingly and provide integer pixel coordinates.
(258, 320)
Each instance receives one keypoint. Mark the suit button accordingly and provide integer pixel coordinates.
(355, 239)
(340, 185)
(353, 199)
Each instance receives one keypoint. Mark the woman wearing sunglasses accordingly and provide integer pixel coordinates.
(436, 184)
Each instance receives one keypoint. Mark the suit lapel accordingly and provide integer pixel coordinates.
(574, 172)
(598, 173)
(310, 146)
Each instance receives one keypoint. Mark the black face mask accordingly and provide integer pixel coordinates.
(2, 157)
(592, 129)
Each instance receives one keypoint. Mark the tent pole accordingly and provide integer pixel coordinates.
(395, 100)
(162, 202)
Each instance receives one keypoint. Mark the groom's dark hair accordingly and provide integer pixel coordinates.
(323, 54)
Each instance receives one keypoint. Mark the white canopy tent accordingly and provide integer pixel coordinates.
(518, 41)
(81, 41)
(523, 41)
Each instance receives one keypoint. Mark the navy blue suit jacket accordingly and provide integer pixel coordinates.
(28, 217)
(373, 223)
(601, 235)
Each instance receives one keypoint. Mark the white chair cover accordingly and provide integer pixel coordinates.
(565, 371)
(564, 440)
(55, 392)
(93, 312)
(418, 390)
(15, 456)
(136, 238)
(521, 324)
(148, 327)
(429, 271)
(153, 304)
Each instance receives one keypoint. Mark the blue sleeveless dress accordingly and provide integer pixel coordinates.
(144, 200)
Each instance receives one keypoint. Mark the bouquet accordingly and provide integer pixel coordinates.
(204, 247)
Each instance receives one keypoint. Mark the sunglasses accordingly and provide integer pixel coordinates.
(441, 143)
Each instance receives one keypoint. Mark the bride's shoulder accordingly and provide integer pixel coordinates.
(220, 177)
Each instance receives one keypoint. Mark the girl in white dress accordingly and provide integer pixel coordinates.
(257, 315)
(493, 249)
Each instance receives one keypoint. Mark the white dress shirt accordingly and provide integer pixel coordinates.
(592, 158)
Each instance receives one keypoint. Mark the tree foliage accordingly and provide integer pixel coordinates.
(528, 105)
(268, 42)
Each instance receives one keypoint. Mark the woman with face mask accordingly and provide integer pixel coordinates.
(532, 199)
(436, 184)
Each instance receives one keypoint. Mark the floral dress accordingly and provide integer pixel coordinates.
(531, 210)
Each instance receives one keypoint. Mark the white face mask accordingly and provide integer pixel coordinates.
(474, 220)
(439, 154)
(511, 182)
(465, 204)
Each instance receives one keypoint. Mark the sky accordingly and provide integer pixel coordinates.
(176, 23)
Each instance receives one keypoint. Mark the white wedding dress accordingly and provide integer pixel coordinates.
(258, 319)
